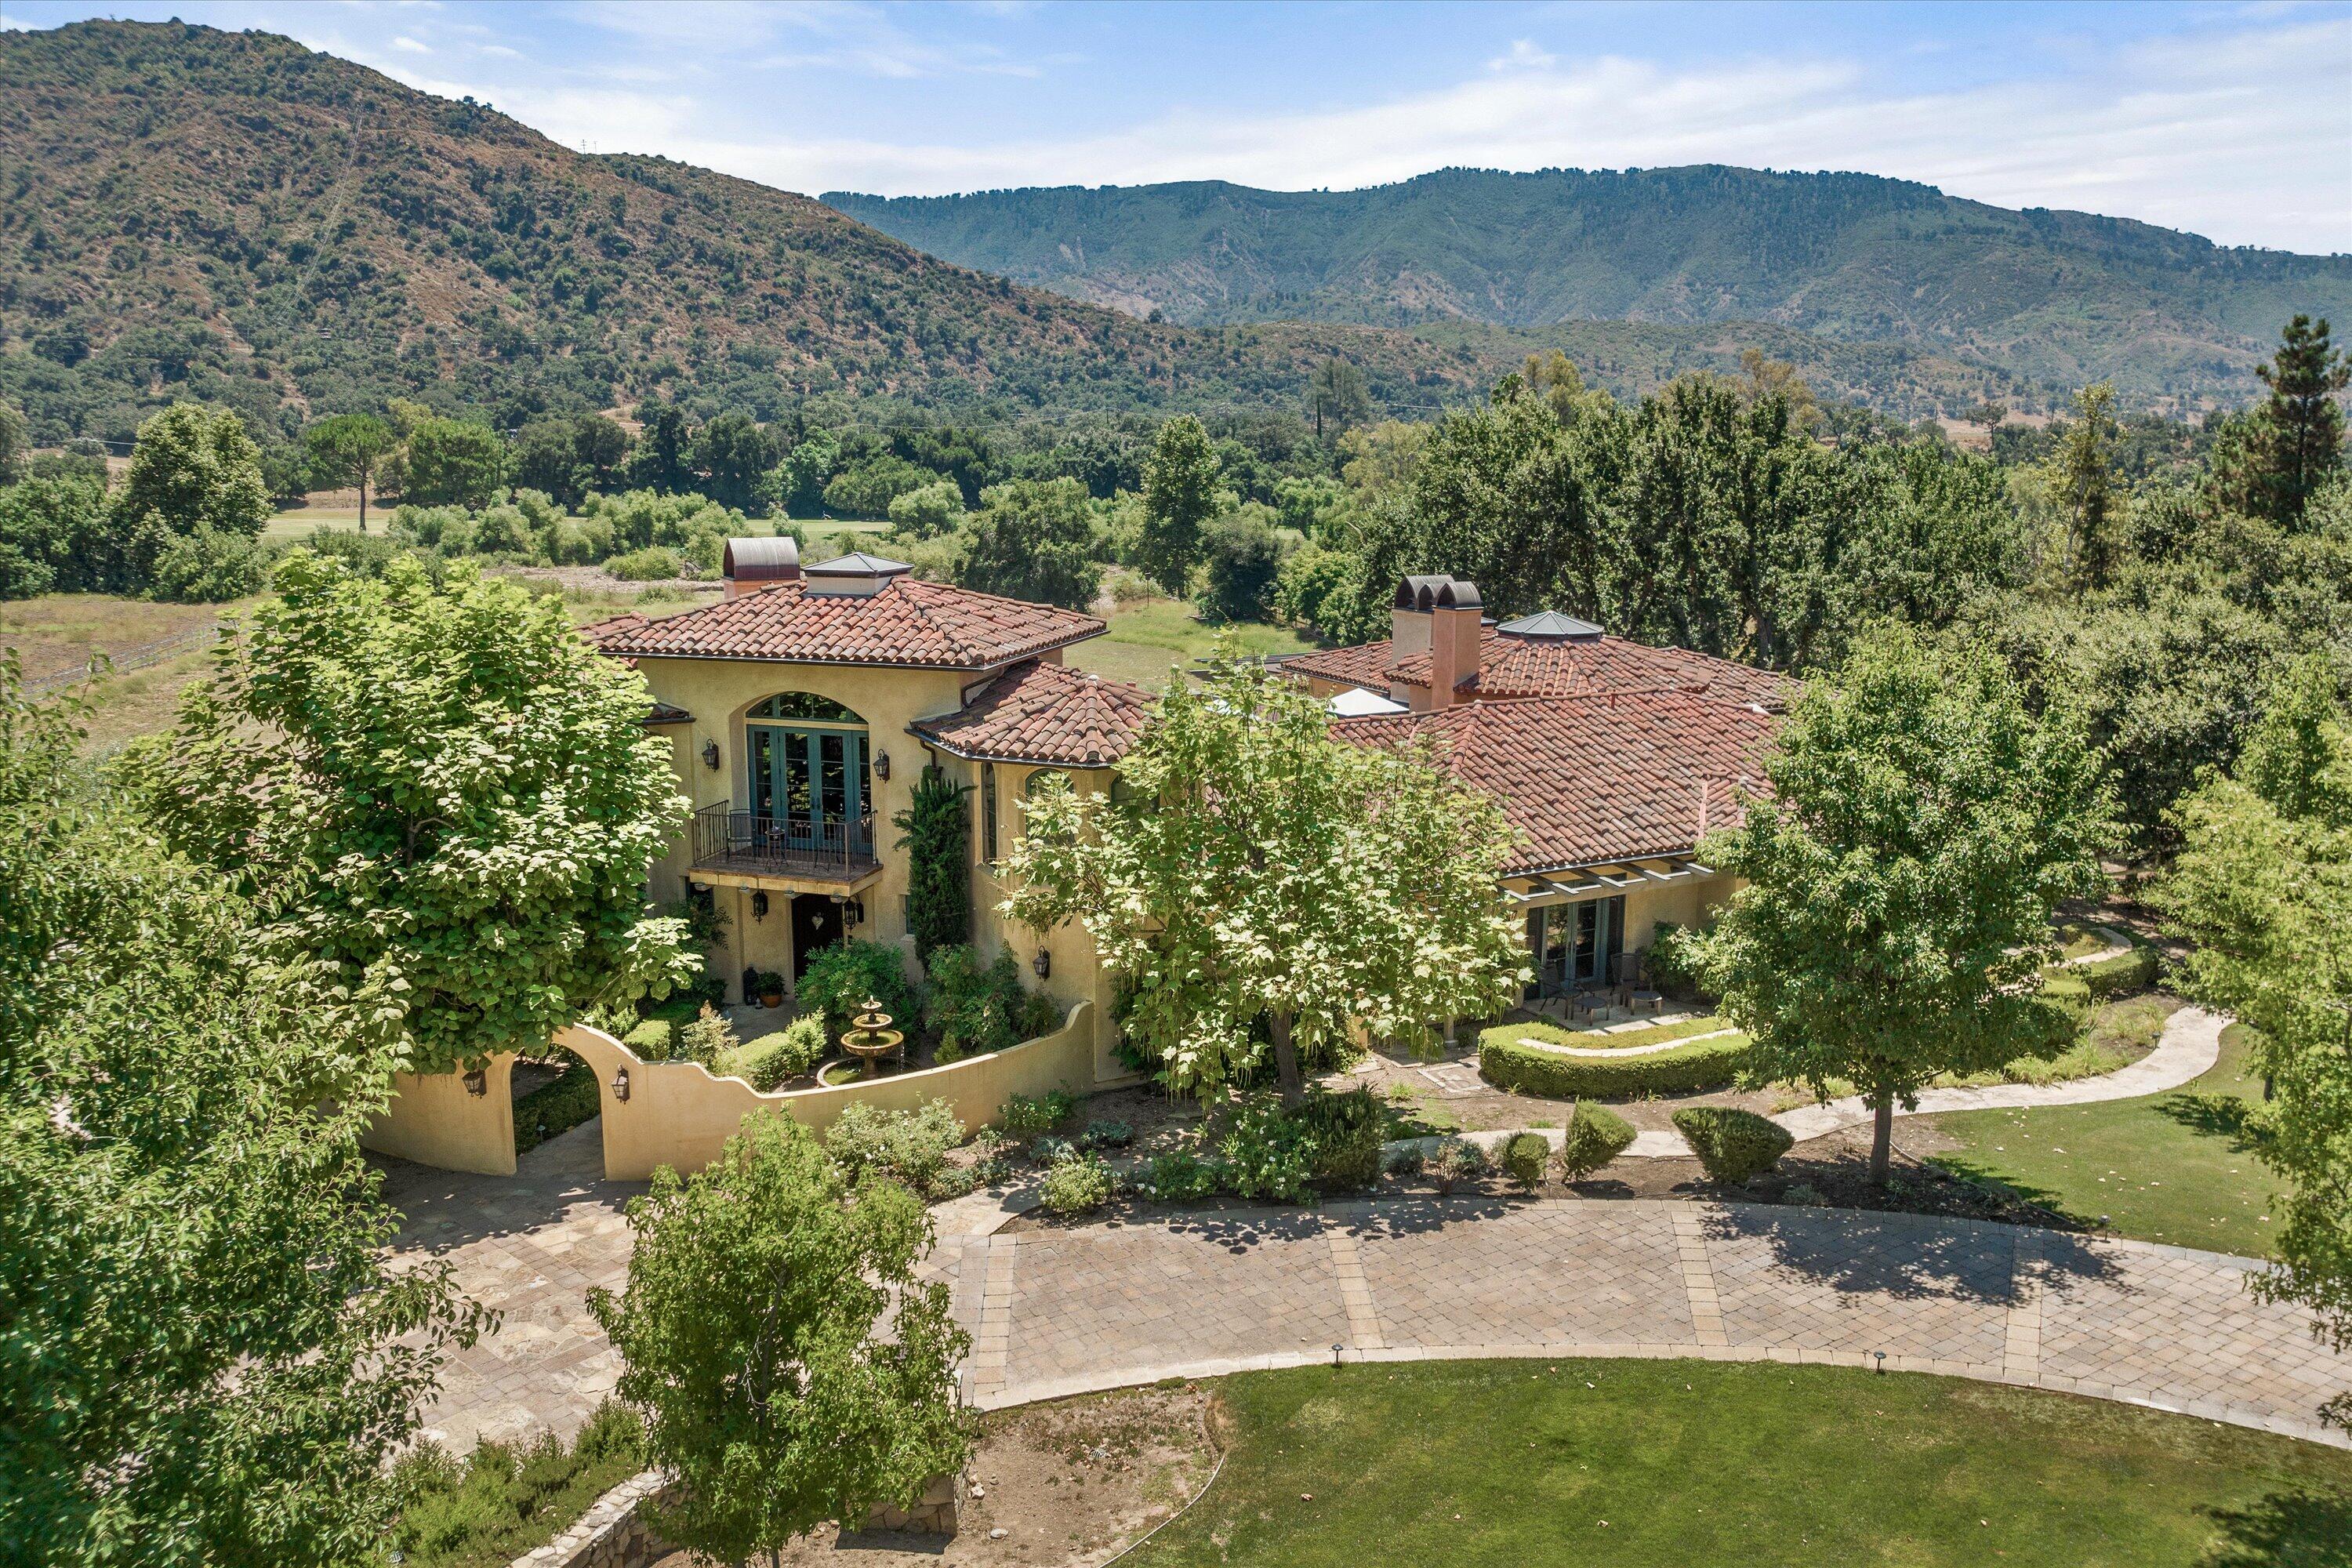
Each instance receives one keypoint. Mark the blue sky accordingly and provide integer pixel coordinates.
(2234, 121)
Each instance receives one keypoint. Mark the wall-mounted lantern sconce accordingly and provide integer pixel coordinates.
(1042, 963)
(759, 906)
(711, 755)
(881, 764)
(853, 913)
(477, 1083)
(621, 1085)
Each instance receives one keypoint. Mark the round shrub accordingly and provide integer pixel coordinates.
(1526, 1156)
(771, 1060)
(1026, 1115)
(2119, 975)
(650, 1039)
(1732, 1145)
(840, 980)
(1075, 1184)
(1267, 1153)
(1596, 1135)
(1458, 1159)
(1179, 1177)
(910, 1146)
(642, 566)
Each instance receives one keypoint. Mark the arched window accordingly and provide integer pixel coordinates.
(805, 707)
(1039, 779)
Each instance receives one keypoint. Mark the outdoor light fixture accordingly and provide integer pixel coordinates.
(1042, 963)
(759, 906)
(711, 755)
(881, 764)
(477, 1083)
(854, 912)
(1882, 1360)
(621, 1085)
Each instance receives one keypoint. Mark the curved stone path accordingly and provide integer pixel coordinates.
(1058, 1312)
(1061, 1312)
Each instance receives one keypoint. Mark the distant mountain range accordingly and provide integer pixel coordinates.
(2062, 298)
(231, 217)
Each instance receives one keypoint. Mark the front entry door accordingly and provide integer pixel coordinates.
(816, 922)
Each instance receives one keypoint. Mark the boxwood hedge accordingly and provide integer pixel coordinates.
(1702, 1065)
(2119, 975)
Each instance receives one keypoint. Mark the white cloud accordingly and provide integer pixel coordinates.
(410, 46)
(1525, 55)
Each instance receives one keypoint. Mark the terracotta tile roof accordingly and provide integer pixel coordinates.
(908, 623)
(1043, 713)
(1552, 667)
(1596, 778)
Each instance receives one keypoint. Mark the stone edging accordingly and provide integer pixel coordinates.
(610, 1534)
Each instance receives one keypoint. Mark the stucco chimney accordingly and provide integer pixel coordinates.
(1455, 618)
(750, 565)
(1409, 620)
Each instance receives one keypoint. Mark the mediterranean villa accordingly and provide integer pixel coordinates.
(802, 707)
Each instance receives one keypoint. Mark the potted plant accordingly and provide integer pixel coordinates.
(771, 988)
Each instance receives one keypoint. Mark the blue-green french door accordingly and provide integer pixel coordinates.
(811, 780)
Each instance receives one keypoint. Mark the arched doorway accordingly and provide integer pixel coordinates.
(809, 786)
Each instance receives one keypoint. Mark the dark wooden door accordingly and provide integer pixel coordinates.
(816, 922)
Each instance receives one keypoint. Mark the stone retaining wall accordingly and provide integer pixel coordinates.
(613, 1534)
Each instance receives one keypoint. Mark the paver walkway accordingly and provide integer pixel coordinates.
(1070, 1311)
(1053, 1312)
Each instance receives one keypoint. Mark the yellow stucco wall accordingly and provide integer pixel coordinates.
(678, 1114)
(433, 1122)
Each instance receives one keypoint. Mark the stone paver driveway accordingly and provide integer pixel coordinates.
(1058, 1311)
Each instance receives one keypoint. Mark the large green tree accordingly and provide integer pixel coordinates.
(454, 462)
(790, 1368)
(1266, 890)
(348, 450)
(2299, 431)
(441, 795)
(2262, 886)
(204, 1355)
(1034, 540)
(1918, 827)
(1181, 481)
(2085, 492)
(192, 467)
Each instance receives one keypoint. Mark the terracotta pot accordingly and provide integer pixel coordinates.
(772, 998)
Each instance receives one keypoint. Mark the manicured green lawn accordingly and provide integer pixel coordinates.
(1146, 638)
(2178, 1167)
(1699, 1465)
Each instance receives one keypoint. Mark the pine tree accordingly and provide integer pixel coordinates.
(2302, 427)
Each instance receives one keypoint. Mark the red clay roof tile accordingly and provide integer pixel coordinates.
(1044, 713)
(1596, 778)
(1552, 667)
(927, 625)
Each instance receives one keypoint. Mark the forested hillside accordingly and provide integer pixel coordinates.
(234, 218)
(2061, 297)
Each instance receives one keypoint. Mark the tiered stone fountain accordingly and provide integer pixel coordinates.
(872, 1038)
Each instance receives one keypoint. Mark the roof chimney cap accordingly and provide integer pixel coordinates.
(1437, 591)
(762, 560)
(1550, 625)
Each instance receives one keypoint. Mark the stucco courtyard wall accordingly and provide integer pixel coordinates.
(432, 1120)
(680, 1114)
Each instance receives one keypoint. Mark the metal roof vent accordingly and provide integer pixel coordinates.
(1550, 625)
(853, 576)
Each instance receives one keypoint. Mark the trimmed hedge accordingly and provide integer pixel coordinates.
(1709, 1064)
(2120, 974)
(563, 1103)
(768, 1060)
(1348, 1129)
(1596, 1135)
(1526, 1157)
(1624, 1040)
(651, 1039)
(1733, 1145)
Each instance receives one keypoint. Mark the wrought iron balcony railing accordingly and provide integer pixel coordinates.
(730, 840)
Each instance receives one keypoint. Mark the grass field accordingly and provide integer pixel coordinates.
(1146, 638)
(1684, 1464)
(2177, 1167)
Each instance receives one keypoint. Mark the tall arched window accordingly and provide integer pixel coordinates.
(806, 756)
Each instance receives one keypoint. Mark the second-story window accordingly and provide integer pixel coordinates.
(988, 812)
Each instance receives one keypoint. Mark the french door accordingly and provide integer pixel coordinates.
(1576, 945)
(810, 781)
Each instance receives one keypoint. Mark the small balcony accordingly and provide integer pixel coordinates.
(742, 844)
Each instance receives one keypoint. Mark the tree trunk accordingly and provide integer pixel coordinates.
(1881, 1133)
(1286, 1061)
(364, 484)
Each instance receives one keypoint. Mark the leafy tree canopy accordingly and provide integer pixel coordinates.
(1254, 872)
(790, 1367)
(441, 795)
(1919, 827)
